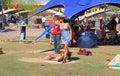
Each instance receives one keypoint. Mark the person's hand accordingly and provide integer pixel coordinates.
(49, 31)
(74, 41)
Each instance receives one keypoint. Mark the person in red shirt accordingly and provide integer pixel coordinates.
(56, 33)
(16, 6)
(50, 21)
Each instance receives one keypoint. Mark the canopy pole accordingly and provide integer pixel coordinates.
(2, 14)
(32, 48)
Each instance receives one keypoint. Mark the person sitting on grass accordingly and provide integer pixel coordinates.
(57, 56)
(54, 56)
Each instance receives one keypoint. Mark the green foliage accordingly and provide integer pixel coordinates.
(32, 8)
(114, 8)
(7, 3)
(30, 5)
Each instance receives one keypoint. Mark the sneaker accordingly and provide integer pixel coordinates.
(80, 52)
(84, 52)
(88, 53)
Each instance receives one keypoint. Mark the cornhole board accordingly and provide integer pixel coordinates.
(115, 62)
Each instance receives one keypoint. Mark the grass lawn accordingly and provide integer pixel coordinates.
(95, 65)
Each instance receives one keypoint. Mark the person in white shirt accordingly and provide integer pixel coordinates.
(117, 20)
(43, 21)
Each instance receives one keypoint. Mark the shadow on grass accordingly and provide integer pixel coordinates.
(7, 30)
(26, 41)
(46, 50)
(74, 58)
(21, 41)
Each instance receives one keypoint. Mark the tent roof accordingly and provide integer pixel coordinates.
(76, 7)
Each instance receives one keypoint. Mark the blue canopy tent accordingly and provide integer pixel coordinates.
(76, 7)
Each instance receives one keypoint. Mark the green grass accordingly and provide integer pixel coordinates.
(95, 65)
(14, 44)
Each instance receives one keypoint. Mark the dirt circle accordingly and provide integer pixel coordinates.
(39, 60)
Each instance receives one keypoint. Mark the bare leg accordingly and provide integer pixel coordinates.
(48, 56)
(65, 53)
(50, 40)
(59, 57)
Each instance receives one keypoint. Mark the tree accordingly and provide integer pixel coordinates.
(7, 3)
(114, 8)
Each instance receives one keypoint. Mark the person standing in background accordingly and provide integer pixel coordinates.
(15, 5)
(43, 21)
(101, 23)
